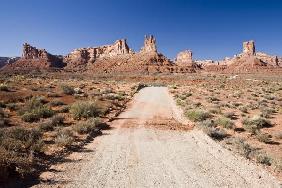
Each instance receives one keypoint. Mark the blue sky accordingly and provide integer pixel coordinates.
(212, 29)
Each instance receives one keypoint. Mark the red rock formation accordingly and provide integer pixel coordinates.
(149, 45)
(184, 58)
(249, 48)
(33, 58)
(90, 55)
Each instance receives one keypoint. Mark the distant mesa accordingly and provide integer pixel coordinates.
(119, 58)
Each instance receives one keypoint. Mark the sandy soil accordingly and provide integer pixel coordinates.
(135, 155)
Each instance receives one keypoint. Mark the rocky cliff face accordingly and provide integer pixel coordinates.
(32, 53)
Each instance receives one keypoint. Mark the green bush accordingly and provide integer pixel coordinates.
(87, 126)
(87, 109)
(197, 115)
(225, 122)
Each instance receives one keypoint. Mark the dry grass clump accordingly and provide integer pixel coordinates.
(85, 109)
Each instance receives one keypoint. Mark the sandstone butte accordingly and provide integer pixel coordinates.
(118, 58)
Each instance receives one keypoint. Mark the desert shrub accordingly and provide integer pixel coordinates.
(206, 123)
(212, 99)
(68, 90)
(53, 95)
(277, 163)
(64, 138)
(197, 115)
(266, 112)
(4, 87)
(269, 97)
(86, 109)
(278, 135)
(185, 96)
(35, 109)
(56, 103)
(242, 147)
(36, 114)
(255, 123)
(16, 146)
(243, 109)
(30, 117)
(88, 126)
(114, 96)
(12, 106)
(230, 115)
(2, 104)
(215, 110)
(215, 133)
(2, 118)
(263, 137)
(225, 122)
(55, 121)
(140, 86)
(64, 109)
(263, 159)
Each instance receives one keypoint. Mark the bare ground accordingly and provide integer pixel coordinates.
(133, 154)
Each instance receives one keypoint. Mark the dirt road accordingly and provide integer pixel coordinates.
(133, 155)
